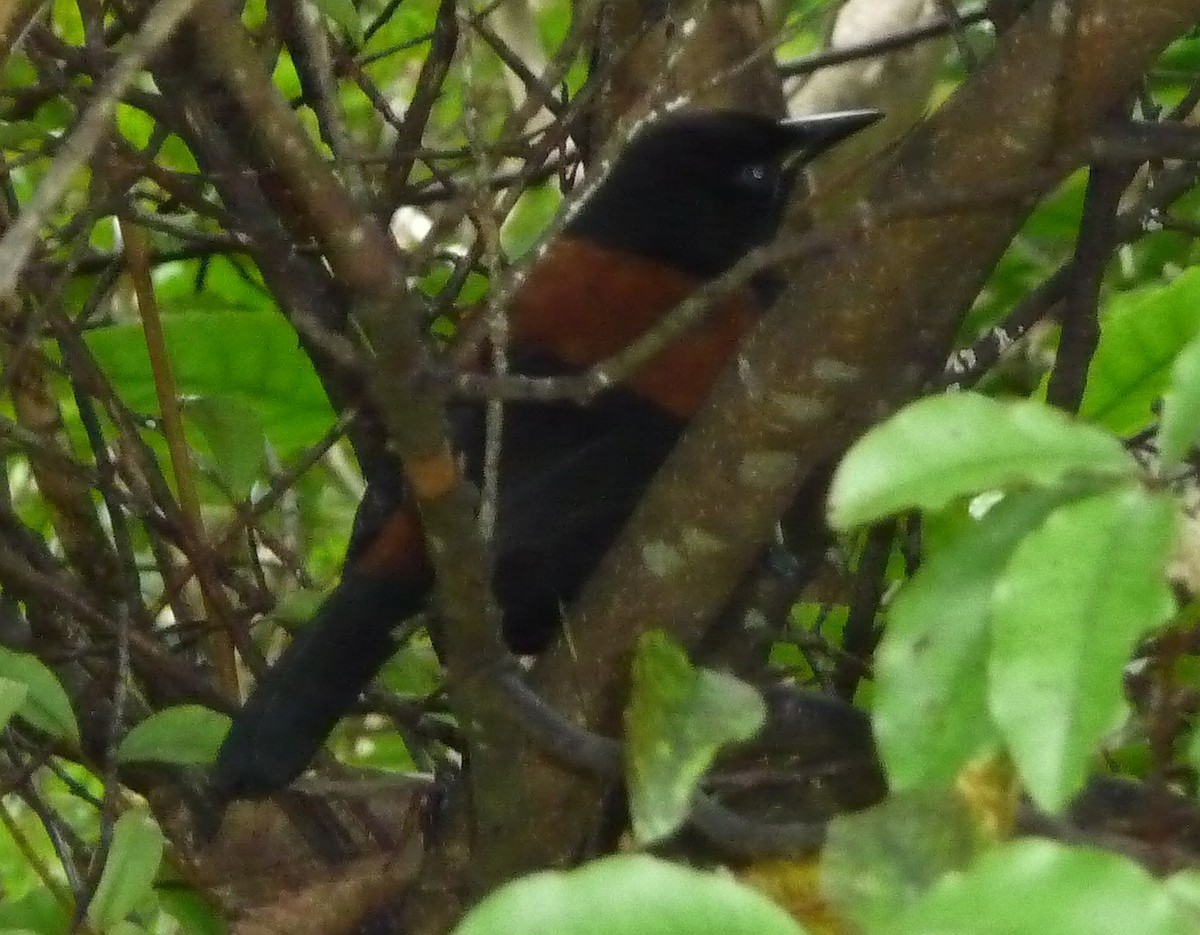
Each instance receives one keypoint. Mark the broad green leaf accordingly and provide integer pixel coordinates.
(186, 735)
(128, 876)
(1078, 594)
(249, 356)
(1180, 427)
(135, 125)
(930, 710)
(944, 447)
(1038, 887)
(879, 861)
(677, 720)
(46, 705)
(234, 432)
(1141, 334)
(630, 894)
(12, 696)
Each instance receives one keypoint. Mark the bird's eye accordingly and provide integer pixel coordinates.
(756, 175)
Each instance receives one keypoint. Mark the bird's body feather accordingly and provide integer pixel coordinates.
(685, 201)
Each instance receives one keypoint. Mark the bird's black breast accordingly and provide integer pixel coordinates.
(569, 477)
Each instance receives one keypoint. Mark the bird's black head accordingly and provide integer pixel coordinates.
(698, 190)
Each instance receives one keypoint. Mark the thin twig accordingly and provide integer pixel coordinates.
(18, 242)
(34, 860)
(900, 39)
(1080, 325)
(220, 646)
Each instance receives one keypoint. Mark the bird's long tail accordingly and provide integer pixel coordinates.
(315, 682)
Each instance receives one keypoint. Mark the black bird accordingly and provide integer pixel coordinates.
(687, 198)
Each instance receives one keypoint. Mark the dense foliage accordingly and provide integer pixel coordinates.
(192, 352)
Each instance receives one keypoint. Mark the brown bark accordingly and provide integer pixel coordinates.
(863, 324)
(716, 55)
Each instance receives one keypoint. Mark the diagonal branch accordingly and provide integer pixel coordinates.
(366, 260)
(855, 335)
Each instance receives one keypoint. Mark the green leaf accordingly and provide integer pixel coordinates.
(15, 133)
(186, 735)
(191, 912)
(128, 876)
(46, 705)
(1078, 594)
(414, 670)
(1180, 427)
(343, 14)
(38, 910)
(1037, 887)
(234, 432)
(135, 125)
(252, 357)
(930, 711)
(879, 861)
(944, 447)
(523, 227)
(1141, 334)
(12, 696)
(1184, 889)
(1192, 752)
(630, 894)
(677, 720)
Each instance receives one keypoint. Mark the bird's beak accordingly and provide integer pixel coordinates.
(817, 132)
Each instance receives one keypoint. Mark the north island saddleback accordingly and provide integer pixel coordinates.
(686, 199)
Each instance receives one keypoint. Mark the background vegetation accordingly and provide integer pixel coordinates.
(235, 241)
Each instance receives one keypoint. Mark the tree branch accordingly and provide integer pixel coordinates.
(855, 334)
